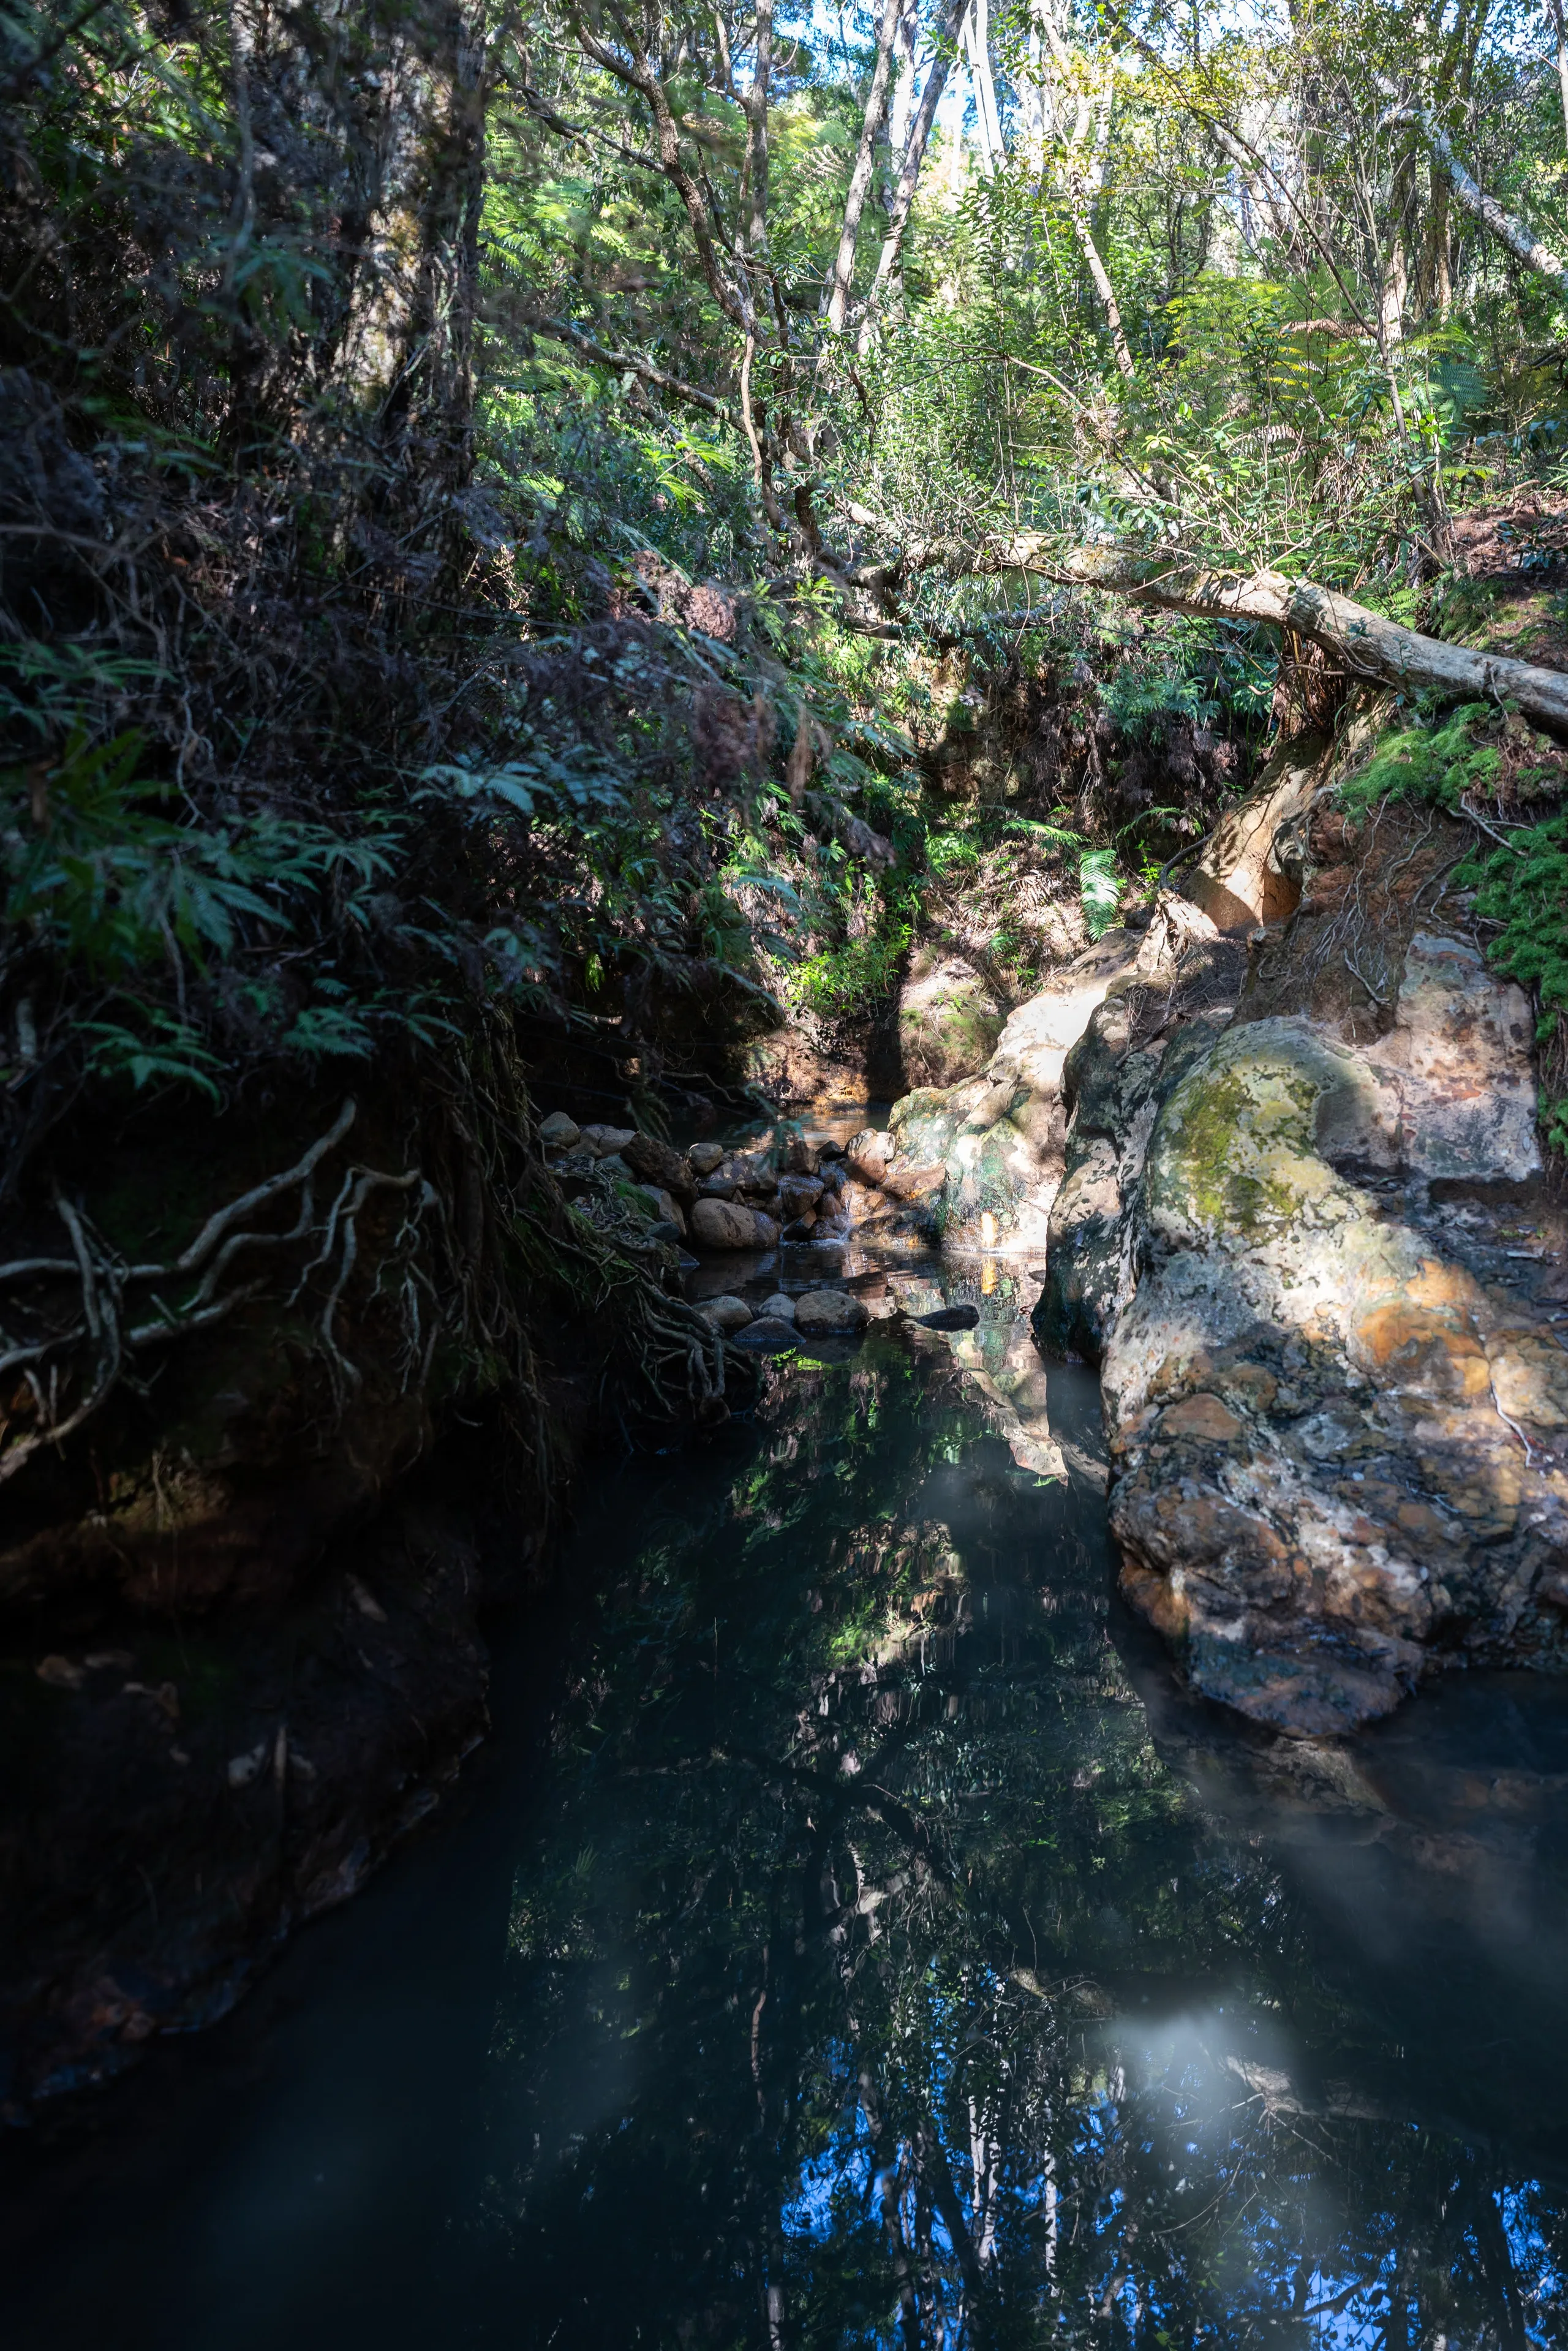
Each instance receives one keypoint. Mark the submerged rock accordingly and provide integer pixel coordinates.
(726, 1314)
(767, 1334)
(822, 1313)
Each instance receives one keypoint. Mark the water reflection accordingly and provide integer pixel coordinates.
(876, 1977)
(880, 1951)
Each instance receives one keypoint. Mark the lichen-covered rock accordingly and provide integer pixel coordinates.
(1334, 1402)
(948, 1020)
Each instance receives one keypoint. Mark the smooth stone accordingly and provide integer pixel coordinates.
(558, 1133)
(664, 1231)
(703, 1157)
(779, 1306)
(726, 1314)
(827, 1312)
(767, 1334)
(723, 1225)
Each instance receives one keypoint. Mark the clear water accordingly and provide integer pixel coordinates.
(856, 1939)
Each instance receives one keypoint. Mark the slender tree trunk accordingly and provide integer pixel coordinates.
(1560, 24)
(756, 106)
(902, 105)
(838, 302)
(1521, 240)
(978, 42)
(945, 33)
(1437, 231)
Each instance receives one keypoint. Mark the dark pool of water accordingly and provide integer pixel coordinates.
(852, 1937)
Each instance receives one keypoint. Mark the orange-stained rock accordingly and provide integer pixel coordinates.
(1308, 1242)
(1203, 1416)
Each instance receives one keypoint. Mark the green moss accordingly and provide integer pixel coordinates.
(1238, 1149)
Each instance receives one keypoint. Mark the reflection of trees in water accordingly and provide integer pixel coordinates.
(873, 1983)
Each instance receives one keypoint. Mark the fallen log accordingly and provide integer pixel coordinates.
(1362, 641)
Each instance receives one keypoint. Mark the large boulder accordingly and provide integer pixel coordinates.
(948, 1020)
(1299, 1175)
(726, 1225)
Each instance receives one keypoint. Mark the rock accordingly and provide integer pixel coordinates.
(825, 1313)
(948, 1020)
(243, 1769)
(726, 1225)
(604, 1140)
(703, 1157)
(558, 1133)
(60, 1673)
(655, 1163)
(779, 1308)
(800, 1231)
(866, 1155)
(726, 1314)
(665, 1232)
(949, 1318)
(664, 1209)
(799, 1194)
(753, 1171)
(802, 1154)
(769, 1334)
(766, 1229)
(906, 1179)
(1332, 1396)
(716, 1187)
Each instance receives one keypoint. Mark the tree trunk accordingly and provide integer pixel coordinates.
(756, 109)
(988, 120)
(1521, 241)
(1560, 25)
(859, 178)
(913, 156)
(1363, 642)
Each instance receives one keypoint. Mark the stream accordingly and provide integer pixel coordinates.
(852, 1936)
